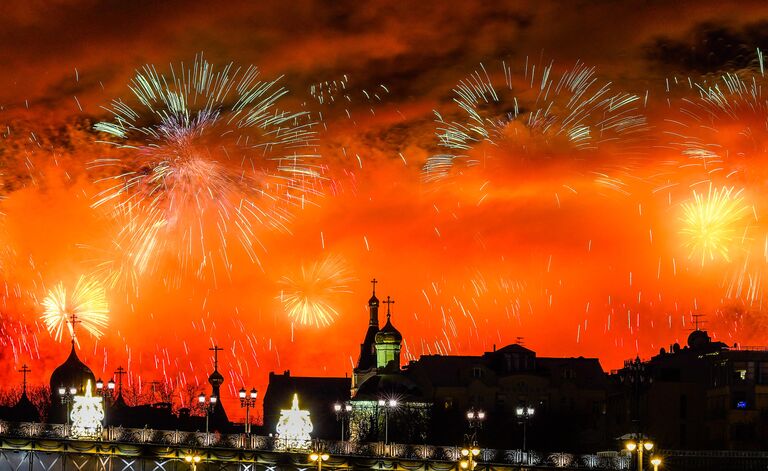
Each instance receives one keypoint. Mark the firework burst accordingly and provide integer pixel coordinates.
(536, 114)
(208, 158)
(85, 304)
(308, 295)
(713, 223)
(724, 127)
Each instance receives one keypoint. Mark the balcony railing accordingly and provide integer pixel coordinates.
(200, 440)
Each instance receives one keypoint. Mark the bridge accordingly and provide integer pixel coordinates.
(47, 447)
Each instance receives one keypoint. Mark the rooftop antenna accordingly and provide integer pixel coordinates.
(696, 320)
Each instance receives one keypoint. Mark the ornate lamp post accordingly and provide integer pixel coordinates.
(475, 419)
(106, 394)
(637, 377)
(524, 414)
(208, 406)
(67, 396)
(248, 401)
(468, 458)
(343, 412)
(639, 446)
(318, 457)
(655, 461)
(387, 404)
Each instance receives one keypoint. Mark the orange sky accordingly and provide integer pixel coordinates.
(528, 244)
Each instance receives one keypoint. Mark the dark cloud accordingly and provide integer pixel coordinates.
(711, 47)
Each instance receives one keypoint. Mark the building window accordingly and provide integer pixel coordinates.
(744, 370)
(448, 403)
(477, 372)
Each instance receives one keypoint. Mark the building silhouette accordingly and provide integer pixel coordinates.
(704, 395)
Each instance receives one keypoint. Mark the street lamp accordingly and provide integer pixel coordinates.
(387, 404)
(248, 401)
(67, 395)
(106, 394)
(639, 446)
(524, 414)
(208, 410)
(343, 412)
(655, 461)
(468, 458)
(192, 460)
(475, 419)
(319, 457)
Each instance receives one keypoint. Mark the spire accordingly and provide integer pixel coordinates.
(216, 379)
(215, 349)
(388, 302)
(73, 321)
(24, 370)
(120, 372)
(373, 307)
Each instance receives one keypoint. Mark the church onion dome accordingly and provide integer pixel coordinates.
(72, 372)
(216, 378)
(374, 301)
(388, 334)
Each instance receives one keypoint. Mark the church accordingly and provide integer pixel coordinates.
(72, 377)
(427, 400)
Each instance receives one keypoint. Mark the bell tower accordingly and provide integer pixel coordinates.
(366, 362)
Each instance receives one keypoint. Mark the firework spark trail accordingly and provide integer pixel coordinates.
(720, 133)
(577, 112)
(86, 303)
(724, 125)
(308, 295)
(712, 222)
(207, 154)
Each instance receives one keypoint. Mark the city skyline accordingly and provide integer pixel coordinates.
(577, 229)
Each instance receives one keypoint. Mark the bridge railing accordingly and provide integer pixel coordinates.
(200, 440)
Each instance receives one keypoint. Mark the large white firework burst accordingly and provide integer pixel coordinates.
(537, 113)
(208, 157)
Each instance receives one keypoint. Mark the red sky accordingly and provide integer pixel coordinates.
(531, 243)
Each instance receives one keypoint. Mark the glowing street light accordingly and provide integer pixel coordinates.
(209, 406)
(67, 396)
(475, 419)
(524, 414)
(655, 461)
(248, 400)
(468, 458)
(319, 457)
(343, 411)
(105, 393)
(192, 459)
(639, 446)
(387, 404)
